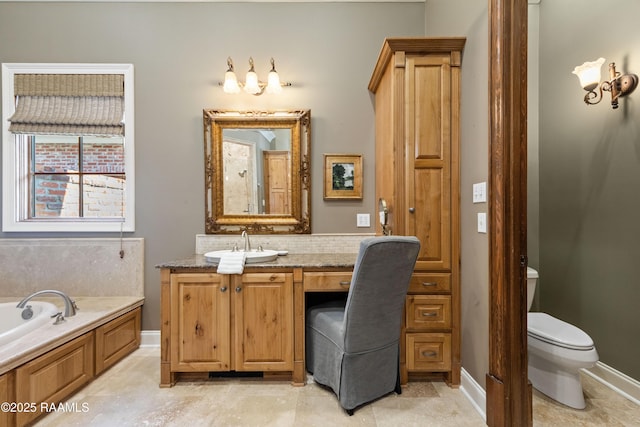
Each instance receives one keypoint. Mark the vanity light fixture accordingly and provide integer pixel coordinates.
(251, 83)
(618, 84)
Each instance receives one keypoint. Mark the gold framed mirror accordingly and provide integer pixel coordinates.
(257, 171)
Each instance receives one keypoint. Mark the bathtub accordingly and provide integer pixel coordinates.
(13, 326)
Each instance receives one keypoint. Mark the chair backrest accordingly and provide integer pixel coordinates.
(381, 276)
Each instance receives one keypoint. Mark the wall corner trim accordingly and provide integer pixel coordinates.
(474, 393)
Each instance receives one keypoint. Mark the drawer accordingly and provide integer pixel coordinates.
(428, 352)
(327, 281)
(428, 312)
(430, 282)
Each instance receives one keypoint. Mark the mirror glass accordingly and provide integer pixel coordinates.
(257, 174)
(256, 164)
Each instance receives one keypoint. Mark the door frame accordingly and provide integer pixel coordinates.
(508, 390)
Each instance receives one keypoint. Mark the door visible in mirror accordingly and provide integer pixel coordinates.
(257, 171)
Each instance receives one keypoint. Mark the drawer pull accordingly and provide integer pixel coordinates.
(429, 314)
(345, 283)
(429, 284)
(429, 354)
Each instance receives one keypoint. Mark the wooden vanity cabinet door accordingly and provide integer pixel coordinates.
(263, 306)
(200, 339)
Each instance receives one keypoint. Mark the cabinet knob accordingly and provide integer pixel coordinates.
(412, 210)
(223, 289)
(238, 289)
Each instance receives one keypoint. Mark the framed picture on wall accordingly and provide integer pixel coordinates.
(342, 176)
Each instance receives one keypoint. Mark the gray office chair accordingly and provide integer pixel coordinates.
(353, 348)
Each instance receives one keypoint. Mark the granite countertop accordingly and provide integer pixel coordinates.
(92, 312)
(322, 260)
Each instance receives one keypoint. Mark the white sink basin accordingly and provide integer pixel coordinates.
(253, 256)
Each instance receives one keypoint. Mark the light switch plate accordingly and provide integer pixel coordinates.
(482, 222)
(480, 192)
(363, 220)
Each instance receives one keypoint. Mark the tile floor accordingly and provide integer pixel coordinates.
(128, 395)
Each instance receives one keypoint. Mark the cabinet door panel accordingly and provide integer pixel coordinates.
(430, 103)
(200, 317)
(6, 396)
(430, 220)
(55, 375)
(428, 168)
(264, 322)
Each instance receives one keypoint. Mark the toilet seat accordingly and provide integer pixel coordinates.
(556, 332)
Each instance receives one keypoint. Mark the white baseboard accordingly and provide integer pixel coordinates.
(150, 339)
(474, 392)
(616, 381)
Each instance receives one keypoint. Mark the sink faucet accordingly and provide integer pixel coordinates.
(70, 306)
(247, 243)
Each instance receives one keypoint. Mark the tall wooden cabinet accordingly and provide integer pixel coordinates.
(416, 83)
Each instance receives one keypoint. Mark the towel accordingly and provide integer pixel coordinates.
(232, 263)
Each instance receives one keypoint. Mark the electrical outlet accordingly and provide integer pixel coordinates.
(363, 220)
(482, 222)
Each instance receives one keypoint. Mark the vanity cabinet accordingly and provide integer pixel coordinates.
(416, 83)
(230, 322)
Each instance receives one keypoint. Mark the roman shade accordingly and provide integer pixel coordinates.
(69, 104)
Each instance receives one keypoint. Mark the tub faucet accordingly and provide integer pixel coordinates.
(247, 243)
(70, 306)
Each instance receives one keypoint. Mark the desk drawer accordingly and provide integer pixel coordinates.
(428, 352)
(428, 312)
(327, 281)
(430, 282)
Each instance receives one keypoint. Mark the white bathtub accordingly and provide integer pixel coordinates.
(13, 326)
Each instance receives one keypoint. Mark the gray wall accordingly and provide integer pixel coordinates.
(470, 19)
(589, 179)
(179, 51)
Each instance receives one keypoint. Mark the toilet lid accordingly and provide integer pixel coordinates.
(556, 332)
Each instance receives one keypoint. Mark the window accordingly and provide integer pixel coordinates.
(68, 147)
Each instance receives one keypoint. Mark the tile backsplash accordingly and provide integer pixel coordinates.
(294, 243)
(79, 267)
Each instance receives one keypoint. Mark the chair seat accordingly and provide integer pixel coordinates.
(327, 319)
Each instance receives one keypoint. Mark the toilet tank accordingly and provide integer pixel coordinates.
(532, 278)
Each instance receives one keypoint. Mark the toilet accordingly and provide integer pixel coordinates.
(557, 351)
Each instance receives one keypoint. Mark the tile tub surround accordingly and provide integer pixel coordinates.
(76, 266)
(294, 243)
(92, 312)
